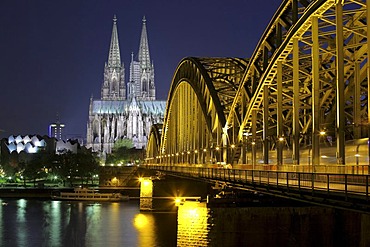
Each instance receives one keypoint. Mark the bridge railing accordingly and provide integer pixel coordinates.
(348, 169)
(341, 184)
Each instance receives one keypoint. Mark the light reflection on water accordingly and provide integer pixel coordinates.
(28, 223)
(192, 229)
(270, 226)
(56, 223)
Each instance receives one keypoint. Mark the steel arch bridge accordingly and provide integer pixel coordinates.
(304, 90)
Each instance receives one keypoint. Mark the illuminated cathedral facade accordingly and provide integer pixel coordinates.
(125, 110)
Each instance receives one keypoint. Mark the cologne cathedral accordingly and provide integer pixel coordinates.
(125, 110)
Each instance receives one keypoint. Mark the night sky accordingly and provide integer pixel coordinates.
(52, 53)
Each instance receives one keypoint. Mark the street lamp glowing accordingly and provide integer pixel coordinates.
(281, 139)
(179, 201)
(322, 132)
(232, 145)
(217, 148)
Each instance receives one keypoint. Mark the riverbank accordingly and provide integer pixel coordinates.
(45, 193)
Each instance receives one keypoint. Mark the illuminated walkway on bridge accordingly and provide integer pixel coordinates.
(350, 191)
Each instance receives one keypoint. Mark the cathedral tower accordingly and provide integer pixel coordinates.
(114, 87)
(114, 117)
(141, 81)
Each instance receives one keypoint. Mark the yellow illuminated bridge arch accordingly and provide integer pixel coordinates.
(301, 96)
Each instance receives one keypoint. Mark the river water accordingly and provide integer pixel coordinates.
(59, 223)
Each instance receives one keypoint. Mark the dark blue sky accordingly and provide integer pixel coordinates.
(52, 53)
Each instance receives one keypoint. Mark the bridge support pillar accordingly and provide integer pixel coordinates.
(315, 94)
(146, 194)
(254, 136)
(340, 85)
(279, 129)
(296, 103)
(266, 114)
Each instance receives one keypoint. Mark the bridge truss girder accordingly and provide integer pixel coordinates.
(308, 73)
(199, 100)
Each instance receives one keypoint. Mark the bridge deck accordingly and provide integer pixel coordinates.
(349, 191)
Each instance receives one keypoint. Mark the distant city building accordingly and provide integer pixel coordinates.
(124, 110)
(56, 129)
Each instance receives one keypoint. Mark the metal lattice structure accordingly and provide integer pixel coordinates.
(308, 75)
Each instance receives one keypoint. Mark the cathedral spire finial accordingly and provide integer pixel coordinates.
(114, 59)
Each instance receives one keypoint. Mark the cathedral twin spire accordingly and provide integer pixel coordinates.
(141, 81)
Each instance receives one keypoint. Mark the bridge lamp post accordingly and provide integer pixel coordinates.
(218, 152)
(204, 155)
(281, 140)
(322, 135)
(253, 153)
(245, 147)
(232, 146)
(195, 156)
(357, 157)
(188, 158)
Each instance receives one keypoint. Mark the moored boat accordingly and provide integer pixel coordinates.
(85, 194)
